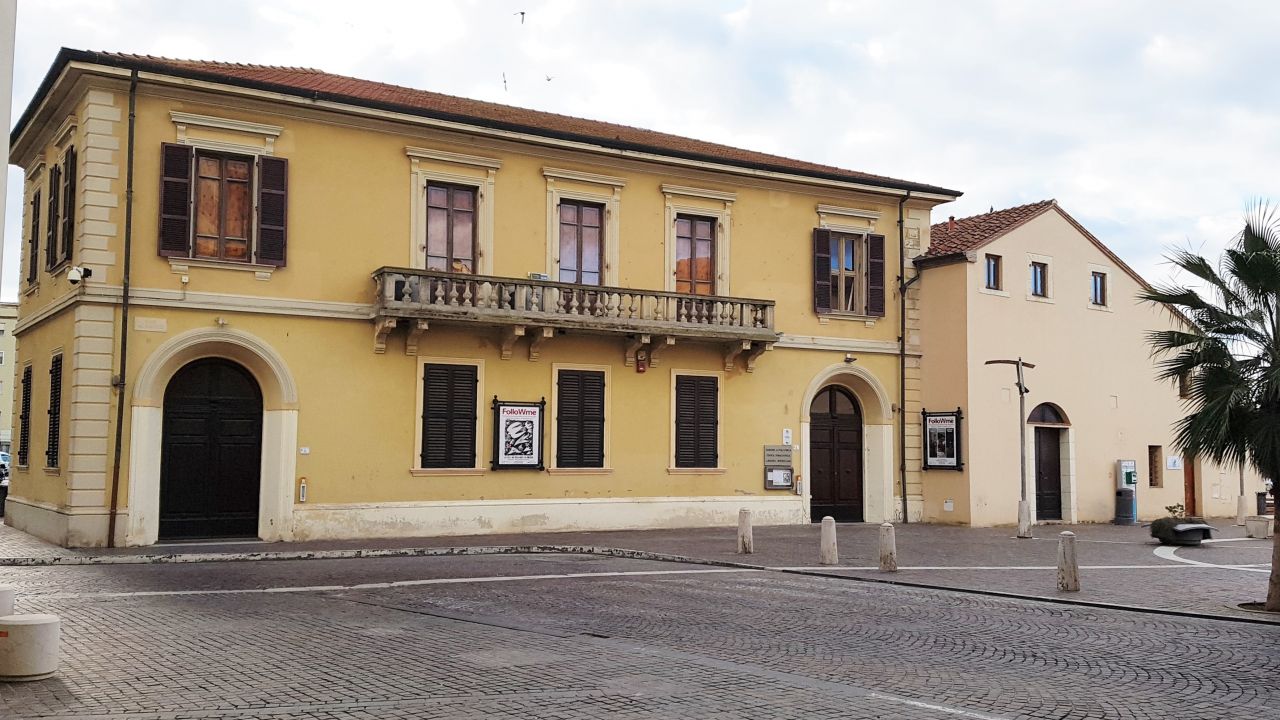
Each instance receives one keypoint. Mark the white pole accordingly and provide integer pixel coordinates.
(746, 545)
(1242, 505)
(1068, 568)
(827, 552)
(888, 549)
(1024, 507)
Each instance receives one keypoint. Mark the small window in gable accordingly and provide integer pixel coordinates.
(995, 279)
(1098, 288)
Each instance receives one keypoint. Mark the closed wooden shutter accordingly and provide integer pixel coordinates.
(24, 419)
(821, 270)
(273, 210)
(175, 200)
(449, 416)
(580, 419)
(697, 421)
(51, 229)
(875, 275)
(55, 412)
(33, 261)
(68, 205)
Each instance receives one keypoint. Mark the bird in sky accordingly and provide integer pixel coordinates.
(521, 14)
(504, 82)
(549, 78)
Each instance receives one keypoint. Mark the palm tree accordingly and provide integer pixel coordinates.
(1230, 354)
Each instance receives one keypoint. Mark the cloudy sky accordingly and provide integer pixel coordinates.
(1153, 123)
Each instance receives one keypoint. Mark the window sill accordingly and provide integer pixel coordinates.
(1100, 308)
(182, 265)
(31, 289)
(580, 471)
(869, 320)
(993, 291)
(1040, 299)
(695, 471)
(445, 472)
(52, 471)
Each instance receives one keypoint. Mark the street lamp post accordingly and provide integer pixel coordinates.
(1024, 508)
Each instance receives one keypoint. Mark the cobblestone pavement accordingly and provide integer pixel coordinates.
(570, 637)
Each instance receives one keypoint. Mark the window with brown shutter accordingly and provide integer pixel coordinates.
(451, 228)
(68, 205)
(24, 419)
(52, 226)
(697, 421)
(581, 242)
(448, 416)
(580, 419)
(55, 412)
(33, 243)
(848, 273)
(695, 254)
(208, 209)
(875, 275)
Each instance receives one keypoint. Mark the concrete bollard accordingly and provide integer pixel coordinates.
(1024, 519)
(1242, 510)
(1068, 568)
(888, 548)
(828, 554)
(6, 600)
(29, 646)
(746, 545)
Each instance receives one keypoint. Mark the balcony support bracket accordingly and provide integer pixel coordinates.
(732, 351)
(658, 346)
(633, 346)
(754, 353)
(415, 334)
(540, 335)
(509, 337)
(382, 327)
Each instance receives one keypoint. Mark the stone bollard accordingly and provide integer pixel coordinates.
(29, 646)
(1068, 568)
(1242, 510)
(6, 600)
(888, 548)
(746, 545)
(827, 552)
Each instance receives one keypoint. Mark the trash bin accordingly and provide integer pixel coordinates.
(1126, 507)
(1262, 503)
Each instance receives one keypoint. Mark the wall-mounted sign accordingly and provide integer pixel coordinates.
(1173, 462)
(517, 435)
(942, 440)
(778, 474)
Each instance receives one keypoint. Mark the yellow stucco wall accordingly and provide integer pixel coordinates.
(946, 383)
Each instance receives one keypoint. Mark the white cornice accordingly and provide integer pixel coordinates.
(66, 130)
(183, 118)
(699, 192)
(848, 212)
(818, 342)
(586, 177)
(453, 157)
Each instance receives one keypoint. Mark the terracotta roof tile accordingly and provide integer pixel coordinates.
(970, 233)
(309, 82)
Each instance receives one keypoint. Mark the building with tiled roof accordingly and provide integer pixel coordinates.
(281, 303)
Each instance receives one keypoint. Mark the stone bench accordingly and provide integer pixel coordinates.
(6, 600)
(1259, 526)
(29, 647)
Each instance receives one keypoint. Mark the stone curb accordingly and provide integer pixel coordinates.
(582, 550)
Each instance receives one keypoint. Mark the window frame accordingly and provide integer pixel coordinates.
(427, 165)
(578, 186)
(416, 468)
(600, 242)
(1034, 259)
(33, 242)
(994, 280)
(693, 219)
(1098, 288)
(251, 216)
(554, 466)
(53, 438)
(681, 200)
(861, 274)
(451, 188)
(672, 467)
(22, 455)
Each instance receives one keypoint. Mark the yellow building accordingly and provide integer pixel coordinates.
(8, 348)
(279, 303)
(1032, 282)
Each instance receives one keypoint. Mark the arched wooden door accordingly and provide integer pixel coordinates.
(211, 452)
(1050, 423)
(835, 456)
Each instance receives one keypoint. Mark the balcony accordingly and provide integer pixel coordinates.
(648, 322)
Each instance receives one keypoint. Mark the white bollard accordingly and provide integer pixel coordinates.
(29, 646)
(888, 548)
(827, 552)
(1024, 519)
(6, 600)
(1242, 510)
(746, 545)
(1068, 568)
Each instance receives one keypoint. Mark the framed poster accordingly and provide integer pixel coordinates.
(517, 435)
(942, 440)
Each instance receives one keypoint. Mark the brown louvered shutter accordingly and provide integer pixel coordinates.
(55, 412)
(697, 421)
(24, 419)
(580, 419)
(821, 270)
(175, 200)
(33, 261)
(875, 275)
(273, 210)
(68, 205)
(448, 416)
(51, 230)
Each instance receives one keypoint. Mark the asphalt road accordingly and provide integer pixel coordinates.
(585, 637)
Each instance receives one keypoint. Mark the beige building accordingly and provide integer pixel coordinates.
(1031, 282)
(8, 356)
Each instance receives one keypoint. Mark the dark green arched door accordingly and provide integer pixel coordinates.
(835, 456)
(211, 452)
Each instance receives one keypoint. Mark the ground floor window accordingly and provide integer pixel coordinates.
(697, 421)
(448, 416)
(580, 419)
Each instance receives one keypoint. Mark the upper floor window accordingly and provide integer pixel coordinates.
(207, 206)
(995, 281)
(52, 215)
(451, 228)
(1098, 288)
(33, 243)
(848, 273)
(1040, 279)
(695, 254)
(581, 246)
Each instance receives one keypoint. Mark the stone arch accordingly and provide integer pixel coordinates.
(279, 427)
(1047, 413)
(877, 424)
